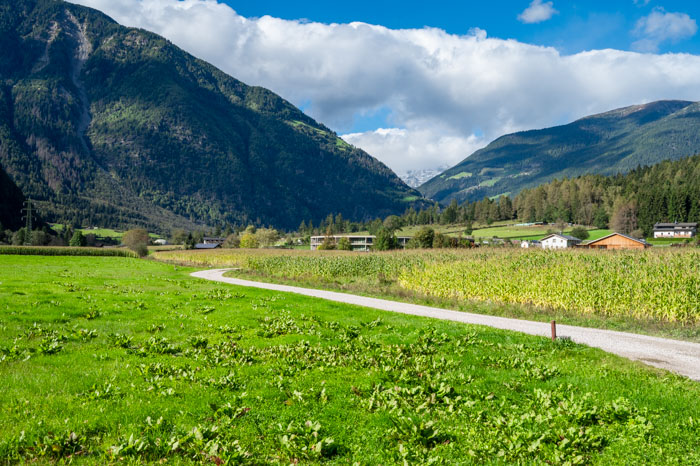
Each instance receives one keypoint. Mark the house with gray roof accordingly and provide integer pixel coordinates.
(559, 241)
(675, 230)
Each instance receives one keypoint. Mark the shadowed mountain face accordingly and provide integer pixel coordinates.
(11, 203)
(608, 143)
(108, 125)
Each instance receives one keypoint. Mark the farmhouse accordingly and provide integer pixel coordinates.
(617, 241)
(675, 230)
(357, 243)
(558, 241)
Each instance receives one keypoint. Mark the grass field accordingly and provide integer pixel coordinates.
(113, 359)
(535, 232)
(653, 292)
(498, 230)
(99, 232)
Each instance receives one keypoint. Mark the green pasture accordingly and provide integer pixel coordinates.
(106, 360)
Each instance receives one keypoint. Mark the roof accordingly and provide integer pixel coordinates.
(566, 237)
(206, 246)
(641, 241)
(673, 226)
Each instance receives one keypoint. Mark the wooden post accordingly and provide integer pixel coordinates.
(554, 330)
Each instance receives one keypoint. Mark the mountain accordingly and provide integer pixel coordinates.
(668, 191)
(107, 125)
(609, 143)
(415, 178)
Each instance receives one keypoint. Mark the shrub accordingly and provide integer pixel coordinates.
(580, 233)
(136, 240)
(328, 244)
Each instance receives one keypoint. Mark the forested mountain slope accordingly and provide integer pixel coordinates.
(108, 125)
(609, 143)
(11, 203)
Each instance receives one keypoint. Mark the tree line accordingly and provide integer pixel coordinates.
(631, 203)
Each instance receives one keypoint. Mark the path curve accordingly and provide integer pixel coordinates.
(678, 356)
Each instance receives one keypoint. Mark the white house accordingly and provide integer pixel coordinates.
(557, 241)
(675, 230)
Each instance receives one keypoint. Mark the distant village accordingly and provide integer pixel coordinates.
(551, 241)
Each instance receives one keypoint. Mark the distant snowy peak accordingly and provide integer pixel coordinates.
(415, 178)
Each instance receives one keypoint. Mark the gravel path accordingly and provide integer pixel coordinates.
(677, 356)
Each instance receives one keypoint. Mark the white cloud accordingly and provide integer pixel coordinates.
(537, 12)
(660, 26)
(446, 94)
(406, 150)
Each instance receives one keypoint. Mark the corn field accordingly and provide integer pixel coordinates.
(650, 284)
(65, 251)
(662, 285)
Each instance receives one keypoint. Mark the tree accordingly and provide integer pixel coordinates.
(178, 236)
(469, 228)
(189, 241)
(344, 244)
(624, 219)
(78, 240)
(449, 215)
(424, 238)
(19, 237)
(136, 239)
(384, 240)
(560, 225)
(329, 241)
(600, 220)
(40, 238)
(580, 233)
(232, 241)
(393, 223)
(67, 234)
(249, 241)
(328, 244)
(266, 237)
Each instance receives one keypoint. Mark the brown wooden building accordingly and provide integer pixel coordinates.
(617, 241)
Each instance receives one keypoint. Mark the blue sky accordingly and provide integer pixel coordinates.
(422, 85)
(578, 25)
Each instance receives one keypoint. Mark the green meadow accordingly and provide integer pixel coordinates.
(110, 360)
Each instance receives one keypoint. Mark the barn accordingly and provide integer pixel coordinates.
(617, 241)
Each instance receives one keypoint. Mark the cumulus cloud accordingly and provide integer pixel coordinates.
(660, 26)
(537, 12)
(446, 94)
(409, 150)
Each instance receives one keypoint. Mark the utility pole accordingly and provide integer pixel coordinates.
(28, 227)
